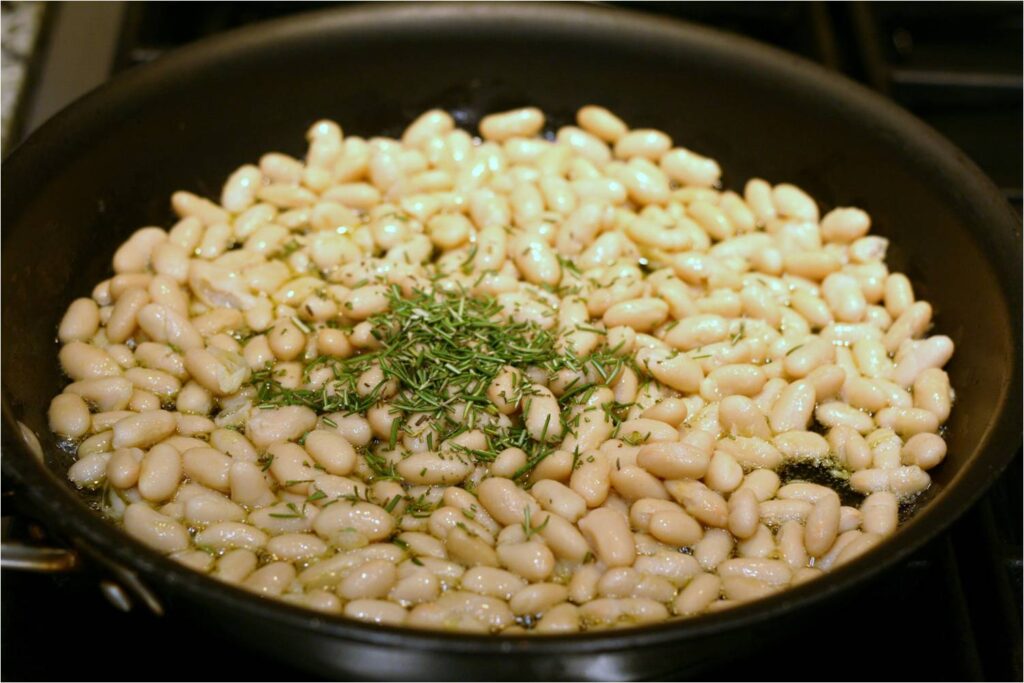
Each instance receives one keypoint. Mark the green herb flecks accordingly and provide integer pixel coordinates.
(528, 527)
(438, 353)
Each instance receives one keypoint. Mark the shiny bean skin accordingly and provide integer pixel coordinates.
(591, 478)
(634, 482)
(601, 122)
(538, 598)
(932, 392)
(675, 460)
(910, 323)
(724, 473)
(160, 473)
(792, 202)
(559, 499)
(915, 358)
(844, 224)
(508, 462)
(774, 572)
(675, 527)
(271, 579)
(713, 549)
(420, 587)
(82, 361)
(69, 416)
(90, 470)
(822, 525)
(744, 513)
(154, 529)
(80, 322)
(231, 535)
(295, 547)
(802, 360)
(435, 468)
(123, 467)
(908, 421)
(689, 168)
(794, 408)
(704, 504)
(698, 595)
(850, 447)
(856, 547)
(801, 445)
(791, 544)
(375, 611)
(531, 560)
(849, 518)
(368, 581)
(924, 450)
(523, 122)
(781, 511)
(207, 466)
(367, 519)
(763, 482)
(565, 540)
(542, 415)
(880, 513)
(836, 413)
(506, 502)
(266, 427)
(607, 531)
(496, 583)
(751, 452)
(642, 142)
(674, 567)
(611, 610)
(670, 410)
(143, 429)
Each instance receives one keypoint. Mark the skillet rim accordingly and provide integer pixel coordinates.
(66, 511)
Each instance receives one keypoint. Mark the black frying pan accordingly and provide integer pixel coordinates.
(107, 165)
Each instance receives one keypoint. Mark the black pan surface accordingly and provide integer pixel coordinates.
(108, 164)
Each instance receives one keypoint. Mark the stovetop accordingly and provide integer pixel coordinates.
(952, 612)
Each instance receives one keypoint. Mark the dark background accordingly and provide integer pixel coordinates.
(952, 612)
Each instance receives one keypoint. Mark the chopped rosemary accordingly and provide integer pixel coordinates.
(419, 507)
(442, 350)
(735, 338)
(395, 426)
(287, 249)
(528, 527)
(635, 438)
(381, 468)
(294, 513)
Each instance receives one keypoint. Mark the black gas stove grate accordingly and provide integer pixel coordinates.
(952, 612)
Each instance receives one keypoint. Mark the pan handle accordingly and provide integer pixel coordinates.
(119, 585)
(24, 545)
(37, 559)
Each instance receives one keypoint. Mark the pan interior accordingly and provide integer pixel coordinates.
(88, 180)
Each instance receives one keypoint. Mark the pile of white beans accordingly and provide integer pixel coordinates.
(761, 334)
